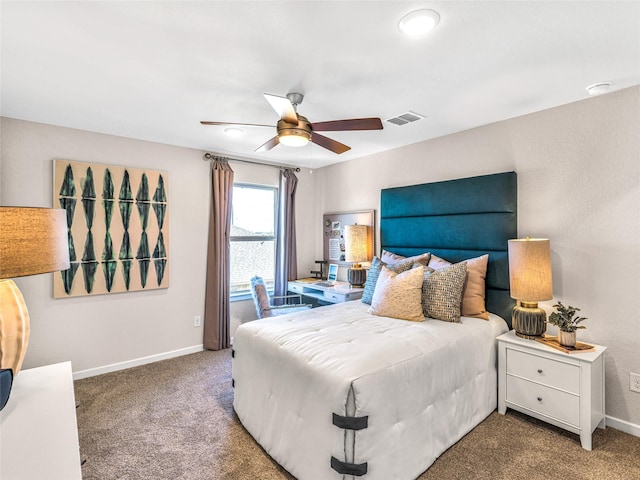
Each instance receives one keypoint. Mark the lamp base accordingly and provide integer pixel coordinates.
(6, 380)
(14, 326)
(356, 275)
(528, 320)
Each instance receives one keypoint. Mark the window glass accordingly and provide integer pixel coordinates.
(253, 238)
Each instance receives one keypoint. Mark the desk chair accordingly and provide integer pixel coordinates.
(264, 307)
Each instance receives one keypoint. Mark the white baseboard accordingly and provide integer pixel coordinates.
(623, 426)
(92, 372)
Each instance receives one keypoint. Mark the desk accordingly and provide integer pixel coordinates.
(338, 293)
(38, 426)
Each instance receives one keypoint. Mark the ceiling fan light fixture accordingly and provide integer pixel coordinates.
(419, 22)
(293, 137)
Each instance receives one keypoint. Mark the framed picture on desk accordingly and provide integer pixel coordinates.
(332, 275)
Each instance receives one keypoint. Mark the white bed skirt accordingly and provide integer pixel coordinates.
(418, 387)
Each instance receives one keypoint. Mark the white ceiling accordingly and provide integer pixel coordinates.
(152, 70)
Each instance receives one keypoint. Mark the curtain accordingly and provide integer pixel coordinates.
(286, 255)
(216, 305)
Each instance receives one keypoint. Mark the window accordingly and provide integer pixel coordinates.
(253, 236)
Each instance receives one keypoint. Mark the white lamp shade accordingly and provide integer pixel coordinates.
(530, 269)
(355, 243)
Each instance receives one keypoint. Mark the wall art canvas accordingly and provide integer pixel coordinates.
(118, 227)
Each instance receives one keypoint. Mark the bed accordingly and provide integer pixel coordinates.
(336, 392)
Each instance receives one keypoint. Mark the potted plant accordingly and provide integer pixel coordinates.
(567, 322)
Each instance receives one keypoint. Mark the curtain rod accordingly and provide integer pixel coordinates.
(210, 156)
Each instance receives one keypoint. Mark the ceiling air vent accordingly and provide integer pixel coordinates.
(405, 119)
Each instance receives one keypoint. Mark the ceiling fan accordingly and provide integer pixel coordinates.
(295, 130)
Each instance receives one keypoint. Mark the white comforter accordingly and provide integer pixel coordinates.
(422, 385)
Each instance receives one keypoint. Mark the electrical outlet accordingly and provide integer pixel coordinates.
(634, 382)
(196, 321)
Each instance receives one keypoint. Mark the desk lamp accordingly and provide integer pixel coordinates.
(355, 250)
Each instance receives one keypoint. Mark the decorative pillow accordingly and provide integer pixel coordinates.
(374, 272)
(473, 294)
(442, 292)
(438, 263)
(390, 257)
(397, 295)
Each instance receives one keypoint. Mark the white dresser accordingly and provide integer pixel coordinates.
(38, 429)
(566, 390)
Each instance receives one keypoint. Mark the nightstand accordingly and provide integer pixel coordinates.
(565, 390)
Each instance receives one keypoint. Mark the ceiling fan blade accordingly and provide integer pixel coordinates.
(329, 144)
(283, 107)
(268, 145)
(351, 124)
(239, 124)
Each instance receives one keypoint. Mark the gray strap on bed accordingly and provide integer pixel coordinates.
(343, 468)
(350, 423)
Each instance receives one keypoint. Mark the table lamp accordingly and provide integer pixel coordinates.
(32, 241)
(530, 282)
(355, 250)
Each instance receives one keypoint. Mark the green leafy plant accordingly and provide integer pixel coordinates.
(565, 318)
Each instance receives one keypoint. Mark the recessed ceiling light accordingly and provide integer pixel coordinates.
(234, 131)
(599, 88)
(419, 22)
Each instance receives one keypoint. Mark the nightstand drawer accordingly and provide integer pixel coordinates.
(544, 400)
(544, 370)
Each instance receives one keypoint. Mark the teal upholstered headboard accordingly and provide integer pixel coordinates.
(457, 220)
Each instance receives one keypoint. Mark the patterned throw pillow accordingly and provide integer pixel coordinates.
(442, 292)
(397, 295)
(473, 293)
(374, 272)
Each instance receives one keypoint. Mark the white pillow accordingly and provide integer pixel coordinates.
(390, 257)
(398, 295)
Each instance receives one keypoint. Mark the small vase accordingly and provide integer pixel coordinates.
(568, 339)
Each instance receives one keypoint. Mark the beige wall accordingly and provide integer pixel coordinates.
(578, 184)
(107, 331)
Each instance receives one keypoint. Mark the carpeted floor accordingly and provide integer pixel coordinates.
(174, 420)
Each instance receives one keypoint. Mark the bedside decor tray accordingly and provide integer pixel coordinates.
(552, 342)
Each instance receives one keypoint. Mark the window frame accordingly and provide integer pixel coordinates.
(246, 294)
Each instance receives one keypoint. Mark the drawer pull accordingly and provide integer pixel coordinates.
(540, 371)
(539, 399)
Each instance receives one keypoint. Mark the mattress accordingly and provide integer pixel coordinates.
(335, 389)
